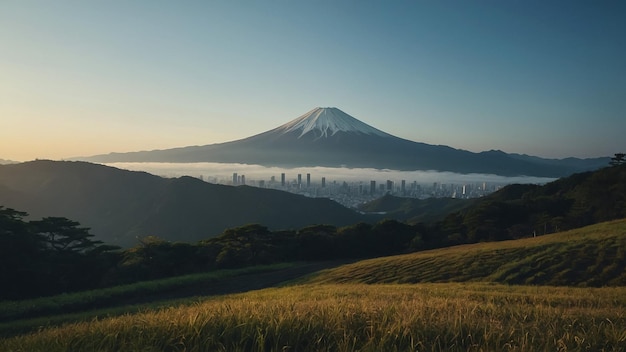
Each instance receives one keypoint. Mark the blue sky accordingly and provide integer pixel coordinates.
(91, 77)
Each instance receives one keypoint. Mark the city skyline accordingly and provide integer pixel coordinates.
(353, 193)
(544, 79)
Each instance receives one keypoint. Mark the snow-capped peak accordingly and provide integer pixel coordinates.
(325, 122)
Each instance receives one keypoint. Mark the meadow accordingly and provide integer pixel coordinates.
(533, 294)
(351, 317)
(114, 295)
(31, 314)
(591, 256)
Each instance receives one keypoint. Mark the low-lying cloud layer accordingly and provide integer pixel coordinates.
(223, 172)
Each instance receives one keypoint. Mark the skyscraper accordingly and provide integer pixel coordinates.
(308, 180)
(282, 179)
(372, 187)
(234, 178)
(323, 182)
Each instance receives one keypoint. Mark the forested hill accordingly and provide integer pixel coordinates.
(519, 211)
(119, 205)
(413, 210)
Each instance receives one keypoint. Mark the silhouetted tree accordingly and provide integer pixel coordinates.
(71, 259)
(155, 258)
(618, 159)
(48, 256)
(19, 254)
(64, 235)
(391, 237)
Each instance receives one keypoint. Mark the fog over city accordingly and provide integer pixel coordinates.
(222, 173)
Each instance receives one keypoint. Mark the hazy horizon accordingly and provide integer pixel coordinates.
(84, 78)
(224, 172)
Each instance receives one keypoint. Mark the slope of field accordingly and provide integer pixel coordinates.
(351, 317)
(337, 309)
(23, 316)
(589, 256)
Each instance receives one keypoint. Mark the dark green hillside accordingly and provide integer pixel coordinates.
(590, 256)
(519, 211)
(414, 210)
(59, 255)
(119, 205)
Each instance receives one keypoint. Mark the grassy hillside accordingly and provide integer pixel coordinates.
(22, 316)
(426, 317)
(338, 309)
(119, 205)
(590, 256)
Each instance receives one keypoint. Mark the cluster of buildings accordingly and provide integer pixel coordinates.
(353, 193)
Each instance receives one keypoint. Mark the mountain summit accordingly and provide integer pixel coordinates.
(330, 137)
(325, 122)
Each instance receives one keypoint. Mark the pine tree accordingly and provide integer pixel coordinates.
(618, 159)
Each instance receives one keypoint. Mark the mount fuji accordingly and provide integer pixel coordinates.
(326, 122)
(330, 137)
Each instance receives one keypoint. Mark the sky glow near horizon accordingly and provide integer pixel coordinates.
(84, 78)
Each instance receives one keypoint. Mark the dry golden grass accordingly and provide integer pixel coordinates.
(338, 311)
(590, 256)
(424, 317)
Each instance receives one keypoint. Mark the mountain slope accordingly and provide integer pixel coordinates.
(518, 211)
(329, 137)
(414, 210)
(590, 256)
(119, 205)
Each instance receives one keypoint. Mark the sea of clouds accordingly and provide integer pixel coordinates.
(222, 173)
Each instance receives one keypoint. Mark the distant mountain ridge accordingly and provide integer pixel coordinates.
(330, 137)
(119, 205)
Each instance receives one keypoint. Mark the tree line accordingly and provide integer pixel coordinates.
(54, 255)
(48, 256)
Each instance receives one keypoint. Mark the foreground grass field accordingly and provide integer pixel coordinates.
(349, 317)
(72, 302)
(590, 256)
(454, 299)
(18, 317)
